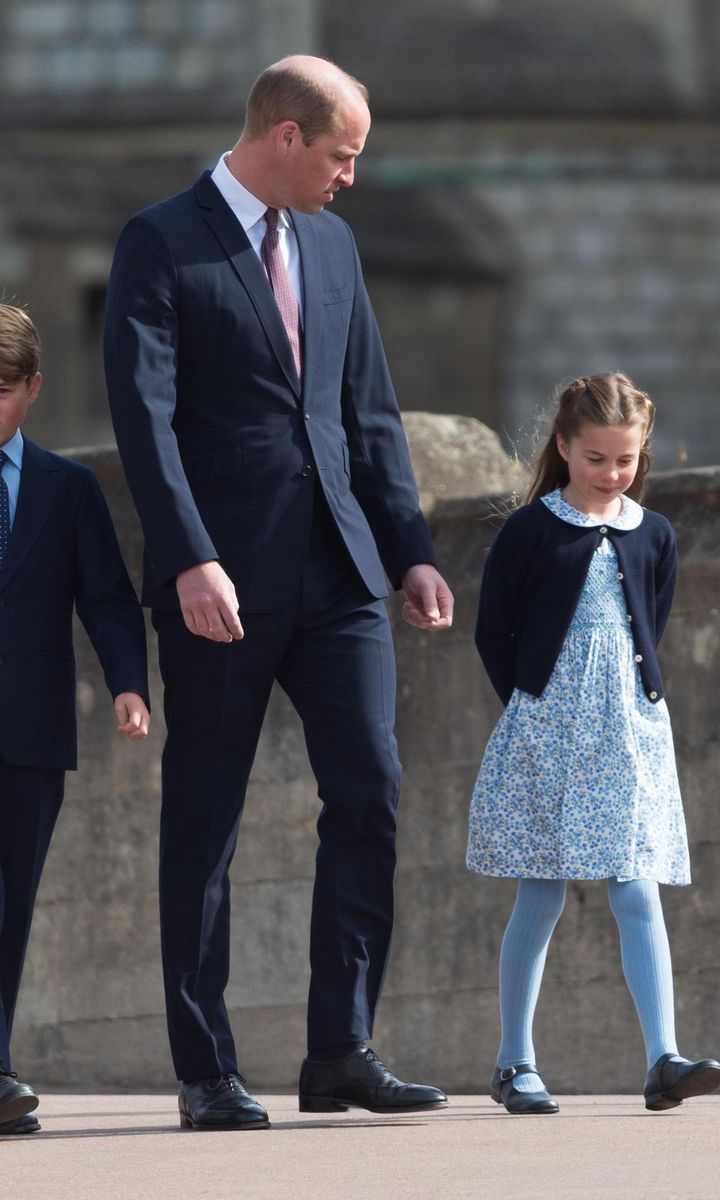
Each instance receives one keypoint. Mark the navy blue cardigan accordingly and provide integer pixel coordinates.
(533, 577)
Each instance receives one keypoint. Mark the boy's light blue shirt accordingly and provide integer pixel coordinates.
(12, 469)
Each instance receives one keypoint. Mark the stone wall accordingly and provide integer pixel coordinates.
(602, 246)
(514, 57)
(91, 1011)
(140, 59)
(64, 59)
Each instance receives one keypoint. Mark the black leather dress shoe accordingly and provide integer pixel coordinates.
(222, 1102)
(668, 1083)
(26, 1124)
(504, 1092)
(16, 1098)
(361, 1080)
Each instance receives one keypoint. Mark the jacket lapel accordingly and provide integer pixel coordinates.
(39, 481)
(306, 232)
(234, 241)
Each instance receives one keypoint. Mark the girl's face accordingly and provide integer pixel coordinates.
(602, 463)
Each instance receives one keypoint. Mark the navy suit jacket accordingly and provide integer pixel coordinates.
(222, 446)
(62, 552)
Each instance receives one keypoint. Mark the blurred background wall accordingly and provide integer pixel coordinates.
(539, 197)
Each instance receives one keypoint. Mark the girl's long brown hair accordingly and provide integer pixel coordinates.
(610, 399)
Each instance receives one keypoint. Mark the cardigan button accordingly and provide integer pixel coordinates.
(638, 658)
(603, 529)
(629, 616)
(619, 575)
(653, 695)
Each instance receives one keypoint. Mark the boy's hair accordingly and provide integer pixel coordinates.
(19, 345)
(611, 400)
(286, 93)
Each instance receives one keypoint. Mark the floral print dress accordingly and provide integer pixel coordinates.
(581, 783)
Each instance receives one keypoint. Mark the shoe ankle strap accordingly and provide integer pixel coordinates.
(508, 1073)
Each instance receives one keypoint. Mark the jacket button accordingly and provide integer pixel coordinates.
(653, 695)
(620, 575)
(306, 416)
(307, 470)
(638, 658)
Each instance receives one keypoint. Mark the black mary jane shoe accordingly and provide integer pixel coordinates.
(504, 1092)
(668, 1083)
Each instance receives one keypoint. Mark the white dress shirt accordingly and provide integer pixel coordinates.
(250, 212)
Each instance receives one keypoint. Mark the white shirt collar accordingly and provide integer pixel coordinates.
(247, 208)
(14, 449)
(629, 517)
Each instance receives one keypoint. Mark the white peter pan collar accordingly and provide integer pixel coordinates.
(629, 517)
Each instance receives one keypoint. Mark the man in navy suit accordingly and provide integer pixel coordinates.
(58, 550)
(263, 445)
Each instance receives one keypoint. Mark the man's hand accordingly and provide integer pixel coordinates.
(133, 717)
(209, 603)
(429, 603)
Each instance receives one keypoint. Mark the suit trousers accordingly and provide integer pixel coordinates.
(30, 800)
(331, 651)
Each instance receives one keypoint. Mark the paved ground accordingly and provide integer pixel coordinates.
(123, 1147)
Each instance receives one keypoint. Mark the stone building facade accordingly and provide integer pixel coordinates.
(538, 199)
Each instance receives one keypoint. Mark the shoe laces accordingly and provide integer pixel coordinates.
(7, 1074)
(372, 1057)
(232, 1083)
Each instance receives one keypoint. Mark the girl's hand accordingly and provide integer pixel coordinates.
(132, 716)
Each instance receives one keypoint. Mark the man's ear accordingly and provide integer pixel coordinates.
(287, 135)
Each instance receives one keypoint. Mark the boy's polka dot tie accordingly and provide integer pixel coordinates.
(281, 286)
(4, 511)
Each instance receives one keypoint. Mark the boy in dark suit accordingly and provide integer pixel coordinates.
(58, 550)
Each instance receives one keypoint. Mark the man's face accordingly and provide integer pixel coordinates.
(16, 396)
(312, 174)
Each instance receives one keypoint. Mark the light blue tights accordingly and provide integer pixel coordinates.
(645, 958)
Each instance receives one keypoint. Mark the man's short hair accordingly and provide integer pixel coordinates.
(19, 344)
(285, 93)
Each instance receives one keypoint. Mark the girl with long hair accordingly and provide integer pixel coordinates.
(578, 780)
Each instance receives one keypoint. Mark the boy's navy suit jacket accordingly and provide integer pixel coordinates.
(220, 442)
(62, 553)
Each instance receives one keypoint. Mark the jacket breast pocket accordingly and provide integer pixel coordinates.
(337, 295)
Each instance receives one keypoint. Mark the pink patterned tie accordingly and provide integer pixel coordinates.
(281, 286)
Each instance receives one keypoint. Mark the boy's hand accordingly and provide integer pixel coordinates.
(133, 717)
